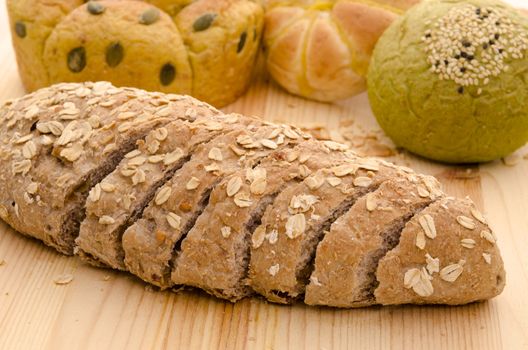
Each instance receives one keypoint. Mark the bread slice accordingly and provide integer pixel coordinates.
(214, 255)
(460, 265)
(119, 200)
(299, 217)
(73, 148)
(347, 257)
(33, 125)
(150, 242)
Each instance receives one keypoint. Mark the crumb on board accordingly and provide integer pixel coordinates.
(372, 142)
(512, 160)
(2, 262)
(365, 142)
(63, 279)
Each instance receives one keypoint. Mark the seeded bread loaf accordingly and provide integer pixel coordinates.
(77, 136)
(215, 254)
(206, 48)
(358, 239)
(119, 199)
(284, 244)
(177, 193)
(460, 264)
(150, 243)
(321, 49)
(31, 22)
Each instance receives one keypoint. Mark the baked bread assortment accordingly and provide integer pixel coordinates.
(205, 48)
(321, 49)
(179, 194)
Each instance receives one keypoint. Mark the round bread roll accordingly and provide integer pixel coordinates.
(448, 80)
(205, 48)
(321, 49)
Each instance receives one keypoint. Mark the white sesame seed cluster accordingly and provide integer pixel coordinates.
(470, 44)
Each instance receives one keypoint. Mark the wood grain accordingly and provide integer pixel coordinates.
(103, 309)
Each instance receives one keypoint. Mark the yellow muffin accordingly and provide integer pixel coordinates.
(205, 48)
(223, 38)
(114, 45)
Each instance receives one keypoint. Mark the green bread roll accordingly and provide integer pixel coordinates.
(448, 80)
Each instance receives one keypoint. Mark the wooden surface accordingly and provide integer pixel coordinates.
(102, 309)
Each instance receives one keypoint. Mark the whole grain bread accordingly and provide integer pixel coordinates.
(299, 218)
(358, 239)
(120, 198)
(72, 145)
(238, 206)
(214, 256)
(180, 201)
(461, 264)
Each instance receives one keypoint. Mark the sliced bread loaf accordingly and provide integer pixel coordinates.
(365, 231)
(72, 147)
(117, 202)
(214, 255)
(149, 244)
(458, 265)
(347, 257)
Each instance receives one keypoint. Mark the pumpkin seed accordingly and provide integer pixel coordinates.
(20, 29)
(95, 8)
(241, 42)
(150, 16)
(77, 59)
(167, 74)
(203, 22)
(114, 54)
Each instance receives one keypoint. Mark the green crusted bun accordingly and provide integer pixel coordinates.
(448, 80)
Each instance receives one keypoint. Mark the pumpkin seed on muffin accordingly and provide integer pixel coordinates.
(20, 29)
(114, 54)
(77, 59)
(167, 74)
(204, 22)
(95, 8)
(241, 42)
(150, 16)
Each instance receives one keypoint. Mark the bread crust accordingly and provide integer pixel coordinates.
(280, 269)
(120, 198)
(76, 142)
(149, 244)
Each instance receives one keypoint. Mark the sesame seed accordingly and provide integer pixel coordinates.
(462, 38)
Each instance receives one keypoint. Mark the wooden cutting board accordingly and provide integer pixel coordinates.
(102, 309)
